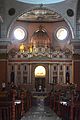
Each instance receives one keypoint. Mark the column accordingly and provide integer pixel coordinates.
(72, 72)
(15, 70)
(29, 72)
(21, 69)
(49, 75)
(51, 71)
(64, 73)
(58, 73)
(71, 78)
(8, 72)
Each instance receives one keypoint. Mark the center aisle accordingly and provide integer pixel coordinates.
(40, 112)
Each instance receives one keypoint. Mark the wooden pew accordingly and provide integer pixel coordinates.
(5, 106)
(13, 104)
(70, 108)
(67, 110)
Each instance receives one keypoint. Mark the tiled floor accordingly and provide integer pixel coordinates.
(40, 112)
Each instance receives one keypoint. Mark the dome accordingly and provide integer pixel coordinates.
(40, 38)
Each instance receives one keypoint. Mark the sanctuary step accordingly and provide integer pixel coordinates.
(39, 93)
(38, 97)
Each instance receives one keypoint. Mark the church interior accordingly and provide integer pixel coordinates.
(40, 59)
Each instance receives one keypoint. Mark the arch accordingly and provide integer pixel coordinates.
(40, 37)
(40, 71)
(47, 8)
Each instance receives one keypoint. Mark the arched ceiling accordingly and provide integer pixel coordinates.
(40, 1)
(40, 14)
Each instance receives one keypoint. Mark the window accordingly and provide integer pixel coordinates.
(40, 71)
(62, 33)
(19, 33)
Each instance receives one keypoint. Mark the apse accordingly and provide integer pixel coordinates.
(40, 38)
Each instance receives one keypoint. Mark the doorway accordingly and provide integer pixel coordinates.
(40, 84)
(40, 74)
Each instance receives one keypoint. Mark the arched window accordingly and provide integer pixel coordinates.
(40, 71)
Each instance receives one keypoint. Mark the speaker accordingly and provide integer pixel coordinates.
(70, 12)
(11, 11)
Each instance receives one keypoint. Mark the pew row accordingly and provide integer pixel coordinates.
(14, 104)
(66, 103)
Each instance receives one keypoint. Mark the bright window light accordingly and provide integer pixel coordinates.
(40, 71)
(62, 33)
(19, 33)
